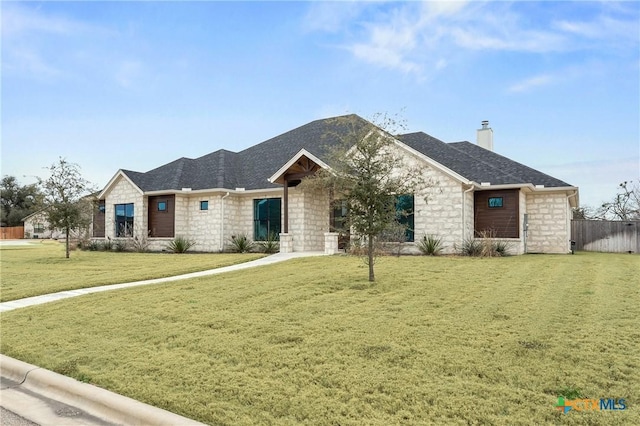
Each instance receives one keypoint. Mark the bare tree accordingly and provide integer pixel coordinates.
(624, 206)
(65, 203)
(369, 173)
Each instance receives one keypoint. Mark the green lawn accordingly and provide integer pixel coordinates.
(42, 268)
(435, 341)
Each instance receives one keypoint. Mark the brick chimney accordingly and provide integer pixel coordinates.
(484, 136)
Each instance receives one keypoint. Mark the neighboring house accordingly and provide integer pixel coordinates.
(255, 192)
(37, 226)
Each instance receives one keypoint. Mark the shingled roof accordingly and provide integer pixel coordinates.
(251, 167)
(478, 164)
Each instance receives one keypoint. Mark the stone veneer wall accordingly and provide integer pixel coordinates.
(441, 213)
(549, 223)
(308, 219)
(124, 192)
(316, 220)
(438, 207)
(296, 217)
(203, 226)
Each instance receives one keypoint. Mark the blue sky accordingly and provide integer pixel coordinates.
(135, 85)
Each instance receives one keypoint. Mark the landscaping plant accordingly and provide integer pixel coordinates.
(180, 244)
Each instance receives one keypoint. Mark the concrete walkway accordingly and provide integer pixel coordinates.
(48, 398)
(52, 297)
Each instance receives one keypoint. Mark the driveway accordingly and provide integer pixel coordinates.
(4, 243)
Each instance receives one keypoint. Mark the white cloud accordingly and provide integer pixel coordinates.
(19, 21)
(408, 36)
(26, 60)
(388, 47)
(611, 30)
(531, 83)
(332, 16)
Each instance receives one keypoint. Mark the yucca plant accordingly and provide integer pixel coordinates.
(431, 245)
(180, 244)
(270, 245)
(471, 247)
(241, 244)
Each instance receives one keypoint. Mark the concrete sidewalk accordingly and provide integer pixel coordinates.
(45, 298)
(48, 398)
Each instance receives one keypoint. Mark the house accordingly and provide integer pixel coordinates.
(36, 225)
(255, 192)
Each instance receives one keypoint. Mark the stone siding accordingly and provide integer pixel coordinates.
(124, 192)
(549, 223)
(308, 219)
(438, 207)
(203, 226)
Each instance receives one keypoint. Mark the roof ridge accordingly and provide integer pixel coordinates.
(177, 179)
(221, 171)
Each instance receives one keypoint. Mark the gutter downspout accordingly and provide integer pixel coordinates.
(222, 221)
(464, 204)
(569, 219)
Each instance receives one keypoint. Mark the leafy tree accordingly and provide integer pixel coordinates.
(65, 204)
(368, 172)
(625, 204)
(17, 201)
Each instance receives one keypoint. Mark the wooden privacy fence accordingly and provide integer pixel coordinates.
(12, 232)
(612, 236)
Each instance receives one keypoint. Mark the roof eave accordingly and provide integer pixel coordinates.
(302, 153)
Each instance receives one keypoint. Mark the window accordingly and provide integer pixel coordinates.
(162, 206)
(204, 205)
(101, 207)
(495, 202)
(339, 216)
(38, 228)
(405, 215)
(266, 218)
(124, 220)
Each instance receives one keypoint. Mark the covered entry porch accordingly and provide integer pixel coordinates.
(306, 214)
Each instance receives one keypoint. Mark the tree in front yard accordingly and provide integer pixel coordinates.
(66, 206)
(368, 173)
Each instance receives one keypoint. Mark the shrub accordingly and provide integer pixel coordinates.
(471, 247)
(431, 245)
(501, 248)
(107, 245)
(392, 239)
(94, 246)
(121, 245)
(141, 245)
(241, 244)
(270, 245)
(180, 244)
(485, 246)
(357, 246)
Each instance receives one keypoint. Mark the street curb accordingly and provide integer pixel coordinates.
(95, 401)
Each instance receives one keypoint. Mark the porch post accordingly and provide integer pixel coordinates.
(286, 206)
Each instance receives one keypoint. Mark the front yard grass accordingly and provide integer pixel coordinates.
(41, 268)
(433, 341)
